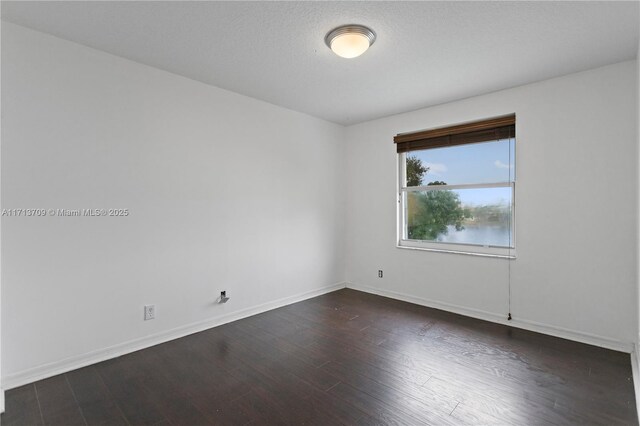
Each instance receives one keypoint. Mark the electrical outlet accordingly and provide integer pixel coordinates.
(379, 273)
(149, 312)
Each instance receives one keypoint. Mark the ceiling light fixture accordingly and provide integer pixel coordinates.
(350, 41)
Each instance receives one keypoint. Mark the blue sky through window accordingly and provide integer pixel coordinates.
(488, 162)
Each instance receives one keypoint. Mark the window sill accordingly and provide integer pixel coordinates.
(469, 250)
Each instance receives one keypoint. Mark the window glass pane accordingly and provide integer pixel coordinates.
(487, 162)
(464, 216)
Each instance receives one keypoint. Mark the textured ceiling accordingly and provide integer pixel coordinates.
(426, 52)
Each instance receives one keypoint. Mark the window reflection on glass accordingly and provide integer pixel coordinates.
(480, 216)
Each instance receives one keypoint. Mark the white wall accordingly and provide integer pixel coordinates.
(225, 193)
(1, 389)
(576, 213)
(635, 366)
(638, 180)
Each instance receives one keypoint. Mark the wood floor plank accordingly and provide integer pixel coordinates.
(376, 410)
(278, 388)
(397, 399)
(57, 402)
(259, 404)
(125, 382)
(94, 399)
(168, 391)
(22, 407)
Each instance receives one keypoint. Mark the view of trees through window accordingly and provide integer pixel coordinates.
(476, 210)
(431, 213)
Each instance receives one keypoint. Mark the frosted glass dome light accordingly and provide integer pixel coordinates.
(350, 41)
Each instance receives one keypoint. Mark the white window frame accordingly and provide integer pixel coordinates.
(456, 248)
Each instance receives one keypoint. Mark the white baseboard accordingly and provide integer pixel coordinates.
(635, 371)
(1, 400)
(551, 330)
(58, 367)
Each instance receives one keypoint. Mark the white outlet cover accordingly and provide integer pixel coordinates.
(149, 312)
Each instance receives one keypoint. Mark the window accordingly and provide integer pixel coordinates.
(456, 188)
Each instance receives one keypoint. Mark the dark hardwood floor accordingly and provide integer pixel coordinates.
(343, 358)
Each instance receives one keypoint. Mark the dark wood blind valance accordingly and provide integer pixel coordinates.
(460, 134)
